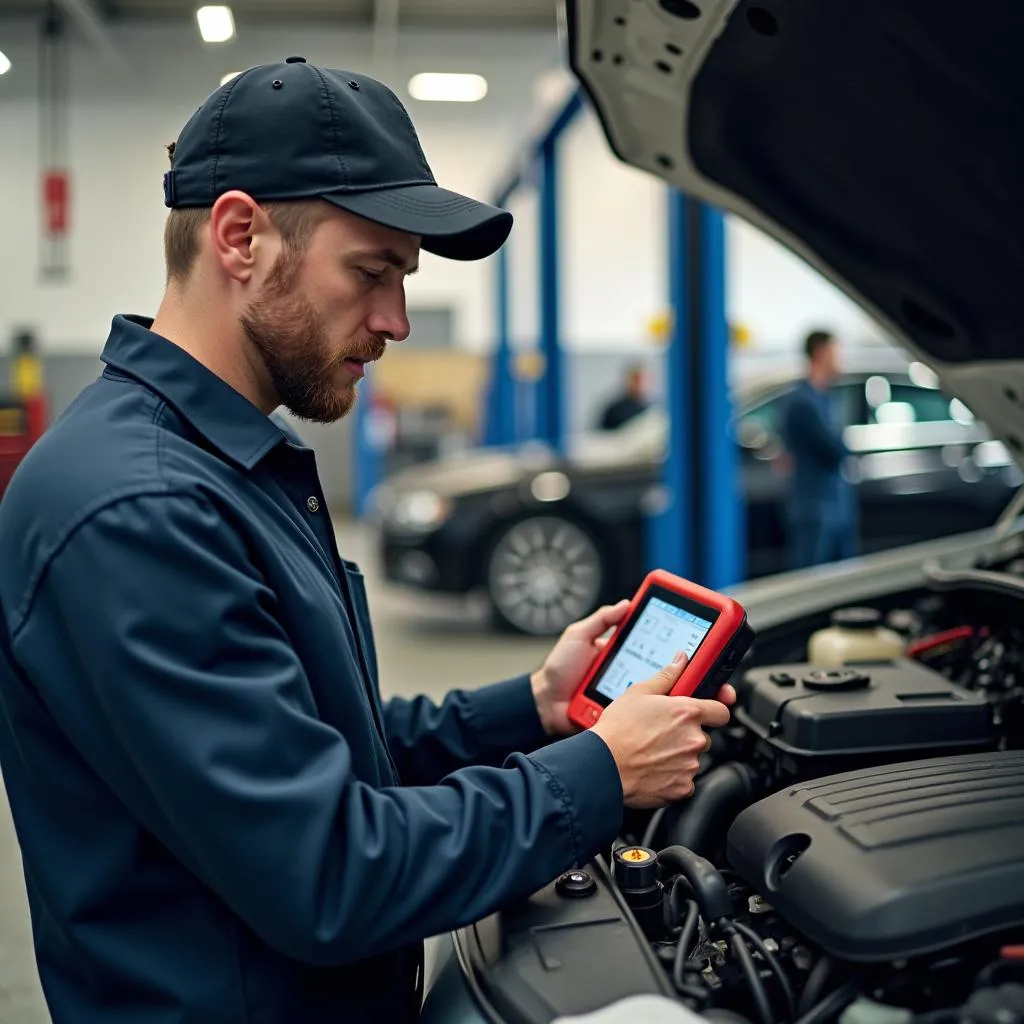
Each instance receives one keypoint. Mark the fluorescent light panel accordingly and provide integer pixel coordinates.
(227, 78)
(436, 87)
(5, 64)
(216, 23)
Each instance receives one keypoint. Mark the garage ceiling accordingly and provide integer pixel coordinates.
(422, 13)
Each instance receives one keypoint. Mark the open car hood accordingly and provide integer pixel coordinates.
(880, 141)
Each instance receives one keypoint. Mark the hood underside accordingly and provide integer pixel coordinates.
(880, 141)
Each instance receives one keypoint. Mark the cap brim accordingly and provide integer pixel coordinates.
(450, 225)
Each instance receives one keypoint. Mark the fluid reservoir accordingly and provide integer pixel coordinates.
(856, 634)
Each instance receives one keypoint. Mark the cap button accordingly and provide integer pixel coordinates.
(295, 60)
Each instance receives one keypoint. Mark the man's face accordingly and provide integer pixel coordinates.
(832, 359)
(322, 314)
(827, 360)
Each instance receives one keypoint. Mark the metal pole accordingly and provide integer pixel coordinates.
(722, 538)
(670, 519)
(501, 408)
(551, 398)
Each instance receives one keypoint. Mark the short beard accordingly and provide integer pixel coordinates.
(293, 343)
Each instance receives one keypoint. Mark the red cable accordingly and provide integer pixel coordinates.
(929, 644)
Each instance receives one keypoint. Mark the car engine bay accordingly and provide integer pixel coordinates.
(853, 851)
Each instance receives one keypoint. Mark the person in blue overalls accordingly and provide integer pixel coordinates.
(220, 818)
(820, 509)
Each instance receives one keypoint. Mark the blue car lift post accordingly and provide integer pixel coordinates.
(696, 528)
(507, 413)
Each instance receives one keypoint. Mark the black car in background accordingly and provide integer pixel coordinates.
(550, 538)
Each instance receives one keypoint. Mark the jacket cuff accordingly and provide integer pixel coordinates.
(505, 714)
(582, 772)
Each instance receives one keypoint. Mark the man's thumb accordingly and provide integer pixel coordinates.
(665, 678)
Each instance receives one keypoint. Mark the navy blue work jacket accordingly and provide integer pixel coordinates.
(220, 819)
(813, 437)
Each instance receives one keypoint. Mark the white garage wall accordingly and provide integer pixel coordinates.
(613, 243)
(523, 269)
(122, 122)
(779, 298)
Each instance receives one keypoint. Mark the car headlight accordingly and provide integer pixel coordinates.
(420, 510)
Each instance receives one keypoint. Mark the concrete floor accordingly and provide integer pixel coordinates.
(424, 646)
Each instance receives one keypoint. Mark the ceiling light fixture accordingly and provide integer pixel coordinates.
(434, 87)
(216, 23)
(227, 78)
(5, 64)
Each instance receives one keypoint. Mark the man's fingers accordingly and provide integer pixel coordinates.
(713, 713)
(726, 695)
(664, 679)
(599, 622)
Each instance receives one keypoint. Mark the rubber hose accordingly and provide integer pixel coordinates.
(832, 1005)
(773, 965)
(816, 982)
(718, 797)
(685, 942)
(746, 961)
(708, 885)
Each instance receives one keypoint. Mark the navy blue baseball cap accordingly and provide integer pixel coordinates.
(296, 131)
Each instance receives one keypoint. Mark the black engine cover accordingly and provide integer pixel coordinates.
(892, 862)
(862, 711)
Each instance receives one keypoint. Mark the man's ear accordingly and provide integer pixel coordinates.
(237, 223)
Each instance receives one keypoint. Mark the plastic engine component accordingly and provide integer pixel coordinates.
(880, 707)
(895, 861)
(557, 954)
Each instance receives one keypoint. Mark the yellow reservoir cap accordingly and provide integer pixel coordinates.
(635, 854)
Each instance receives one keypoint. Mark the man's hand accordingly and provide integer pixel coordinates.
(657, 740)
(563, 670)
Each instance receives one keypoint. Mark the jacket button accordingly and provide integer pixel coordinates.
(312, 504)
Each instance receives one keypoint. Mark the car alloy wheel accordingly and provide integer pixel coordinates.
(543, 574)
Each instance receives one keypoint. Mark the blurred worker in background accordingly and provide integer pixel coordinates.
(220, 818)
(630, 403)
(820, 503)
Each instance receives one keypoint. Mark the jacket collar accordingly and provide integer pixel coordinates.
(227, 419)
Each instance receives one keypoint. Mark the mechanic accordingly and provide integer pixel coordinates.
(820, 511)
(631, 403)
(220, 818)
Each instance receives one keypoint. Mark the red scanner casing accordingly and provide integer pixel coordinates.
(712, 663)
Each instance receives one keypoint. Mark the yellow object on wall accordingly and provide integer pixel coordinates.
(26, 377)
(529, 366)
(741, 336)
(659, 328)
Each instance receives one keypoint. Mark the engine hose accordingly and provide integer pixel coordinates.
(746, 961)
(718, 797)
(773, 964)
(816, 982)
(685, 944)
(833, 1004)
(709, 887)
(652, 827)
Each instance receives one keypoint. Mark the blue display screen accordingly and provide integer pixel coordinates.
(659, 631)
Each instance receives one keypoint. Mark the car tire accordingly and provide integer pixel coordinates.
(543, 573)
